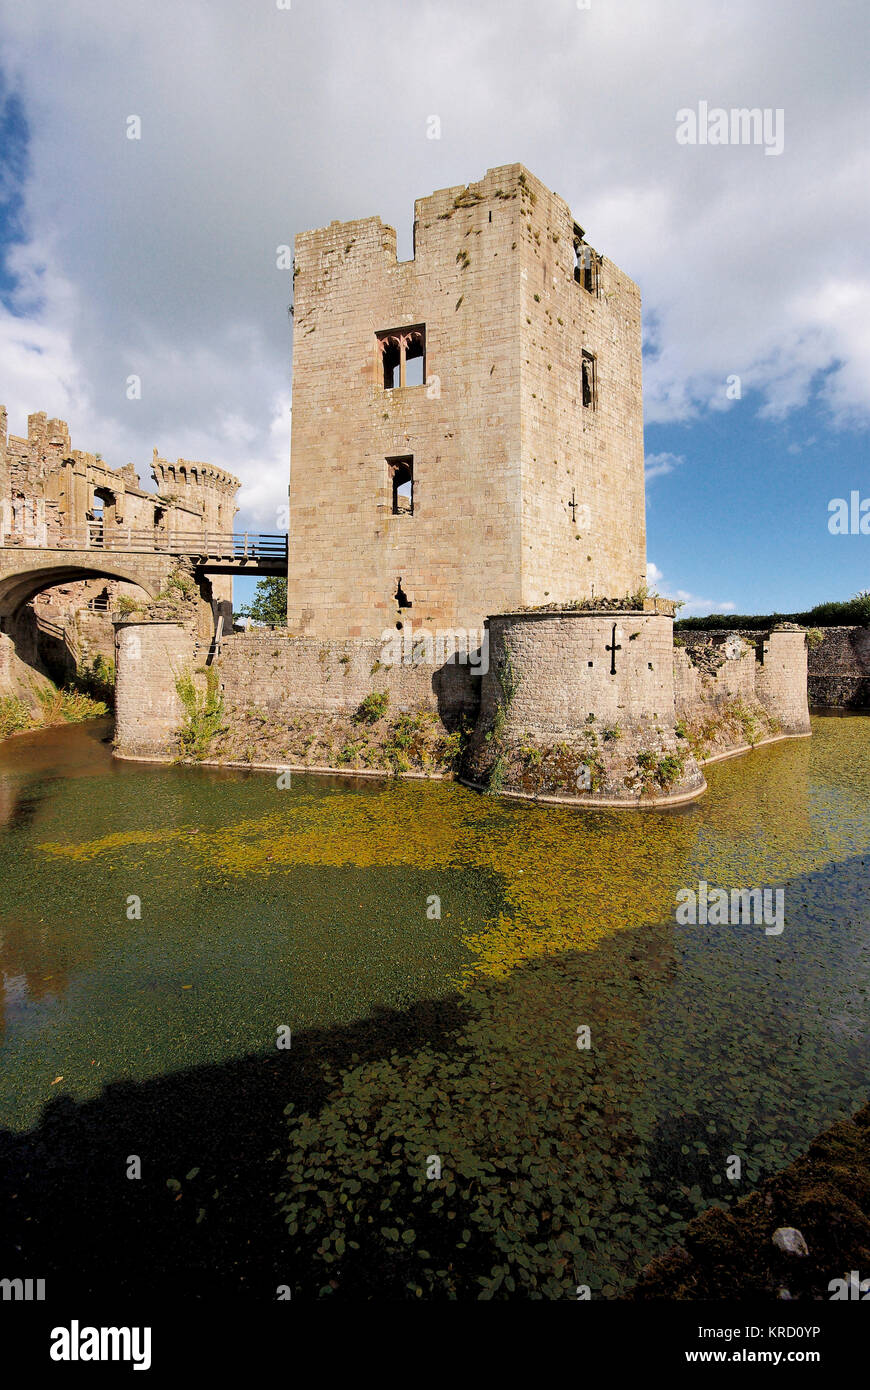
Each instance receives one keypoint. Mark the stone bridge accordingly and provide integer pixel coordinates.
(27, 569)
(24, 573)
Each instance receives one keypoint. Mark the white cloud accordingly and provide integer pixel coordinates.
(656, 465)
(692, 604)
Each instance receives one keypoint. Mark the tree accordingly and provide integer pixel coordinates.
(269, 604)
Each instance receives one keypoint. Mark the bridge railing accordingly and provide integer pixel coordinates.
(61, 633)
(217, 545)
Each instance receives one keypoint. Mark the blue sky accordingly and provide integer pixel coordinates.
(158, 256)
(13, 177)
(745, 510)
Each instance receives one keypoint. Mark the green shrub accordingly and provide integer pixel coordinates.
(350, 752)
(97, 679)
(659, 770)
(55, 707)
(372, 708)
(69, 706)
(15, 717)
(854, 612)
(669, 770)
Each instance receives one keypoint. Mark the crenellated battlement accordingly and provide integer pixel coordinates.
(51, 493)
(188, 473)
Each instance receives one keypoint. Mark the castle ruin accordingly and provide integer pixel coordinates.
(69, 502)
(467, 460)
(467, 424)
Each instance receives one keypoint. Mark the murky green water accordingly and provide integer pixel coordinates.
(312, 907)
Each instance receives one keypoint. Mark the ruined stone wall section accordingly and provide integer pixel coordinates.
(583, 510)
(695, 689)
(781, 679)
(838, 666)
(767, 669)
(205, 496)
(839, 669)
(49, 491)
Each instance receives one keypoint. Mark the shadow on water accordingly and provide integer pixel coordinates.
(72, 1216)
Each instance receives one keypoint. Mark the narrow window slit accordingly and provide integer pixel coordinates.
(402, 485)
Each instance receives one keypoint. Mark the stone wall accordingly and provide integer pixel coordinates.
(713, 677)
(20, 678)
(781, 679)
(839, 669)
(272, 673)
(838, 666)
(596, 707)
(733, 688)
(148, 658)
(279, 672)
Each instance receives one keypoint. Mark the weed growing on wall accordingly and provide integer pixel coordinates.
(732, 723)
(203, 712)
(372, 708)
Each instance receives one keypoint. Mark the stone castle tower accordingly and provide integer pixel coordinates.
(467, 424)
(200, 487)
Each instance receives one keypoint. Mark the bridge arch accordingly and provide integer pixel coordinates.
(20, 584)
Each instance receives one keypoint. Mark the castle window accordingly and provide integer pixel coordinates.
(391, 357)
(415, 360)
(402, 353)
(588, 379)
(585, 263)
(402, 485)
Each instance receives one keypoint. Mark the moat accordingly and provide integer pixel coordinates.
(311, 908)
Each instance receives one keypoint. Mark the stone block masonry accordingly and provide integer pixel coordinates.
(734, 689)
(579, 706)
(839, 668)
(274, 678)
(280, 673)
(511, 473)
(149, 657)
